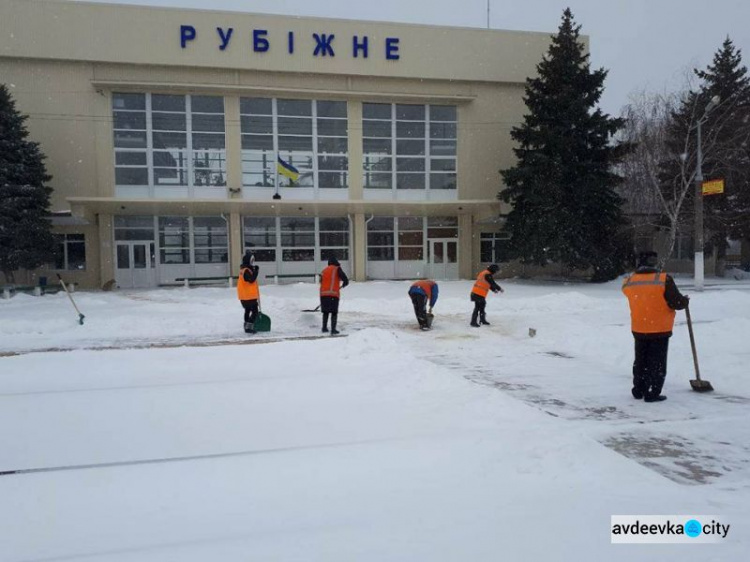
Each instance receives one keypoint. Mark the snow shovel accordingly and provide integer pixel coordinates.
(80, 316)
(430, 317)
(311, 309)
(697, 384)
(262, 322)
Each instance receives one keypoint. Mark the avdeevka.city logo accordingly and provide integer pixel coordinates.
(669, 529)
(693, 528)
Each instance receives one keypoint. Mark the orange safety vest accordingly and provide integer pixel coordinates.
(481, 287)
(426, 286)
(649, 312)
(247, 291)
(329, 282)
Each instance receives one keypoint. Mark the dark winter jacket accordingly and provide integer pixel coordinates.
(250, 274)
(343, 277)
(494, 287)
(675, 300)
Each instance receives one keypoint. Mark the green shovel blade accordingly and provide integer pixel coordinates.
(262, 323)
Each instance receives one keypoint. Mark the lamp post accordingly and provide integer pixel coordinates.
(699, 267)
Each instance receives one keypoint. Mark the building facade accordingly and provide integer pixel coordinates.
(165, 130)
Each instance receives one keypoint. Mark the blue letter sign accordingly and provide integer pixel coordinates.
(357, 46)
(225, 37)
(260, 43)
(323, 44)
(187, 33)
(391, 48)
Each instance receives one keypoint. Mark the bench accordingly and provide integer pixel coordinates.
(276, 277)
(208, 280)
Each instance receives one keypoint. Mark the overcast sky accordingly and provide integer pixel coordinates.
(643, 43)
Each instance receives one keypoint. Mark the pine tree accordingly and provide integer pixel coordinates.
(565, 208)
(728, 214)
(725, 145)
(25, 238)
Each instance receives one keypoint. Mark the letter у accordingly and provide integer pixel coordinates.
(225, 36)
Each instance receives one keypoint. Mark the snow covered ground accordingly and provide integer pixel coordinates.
(136, 441)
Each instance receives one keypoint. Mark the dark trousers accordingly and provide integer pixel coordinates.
(329, 306)
(420, 308)
(479, 305)
(251, 310)
(650, 365)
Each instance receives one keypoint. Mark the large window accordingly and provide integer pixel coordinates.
(380, 239)
(71, 252)
(333, 237)
(410, 238)
(174, 240)
(134, 228)
(260, 237)
(169, 140)
(210, 241)
(309, 135)
(409, 146)
(297, 239)
(493, 247)
(405, 238)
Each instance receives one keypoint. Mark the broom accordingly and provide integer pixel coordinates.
(697, 384)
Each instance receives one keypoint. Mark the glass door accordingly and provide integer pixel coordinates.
(443, 258)
(135, 266)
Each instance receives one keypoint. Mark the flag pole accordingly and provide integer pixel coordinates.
(276, 182)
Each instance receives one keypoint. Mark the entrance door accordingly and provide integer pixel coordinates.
(136, 265)
(443, 258)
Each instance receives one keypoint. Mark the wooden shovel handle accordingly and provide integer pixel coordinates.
(692, 343)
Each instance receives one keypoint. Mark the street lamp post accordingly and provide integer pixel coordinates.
(699, 266)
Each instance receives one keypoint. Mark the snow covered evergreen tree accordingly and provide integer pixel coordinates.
(25, 238)
(565, 209)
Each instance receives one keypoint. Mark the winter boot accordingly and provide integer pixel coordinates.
(474, 320)
(636, 392)
(483, 320)
(659, 398)
(334, 319)
(249, 328)
(325, 323)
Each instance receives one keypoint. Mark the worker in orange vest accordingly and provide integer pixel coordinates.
(653, 298)
(422, 292)
(483, 285)
(248, 291)
(332, 280)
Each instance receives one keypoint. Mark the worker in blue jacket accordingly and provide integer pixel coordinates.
(422, 292)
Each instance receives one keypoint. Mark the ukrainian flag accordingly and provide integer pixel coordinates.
(286, 169)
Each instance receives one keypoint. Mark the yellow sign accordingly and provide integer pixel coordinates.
(713, 187)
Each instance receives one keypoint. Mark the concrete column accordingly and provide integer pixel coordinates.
(234, 144)
(360, 248)
(236, 245)
(106, 251)
(354, 112)
(466, 246)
